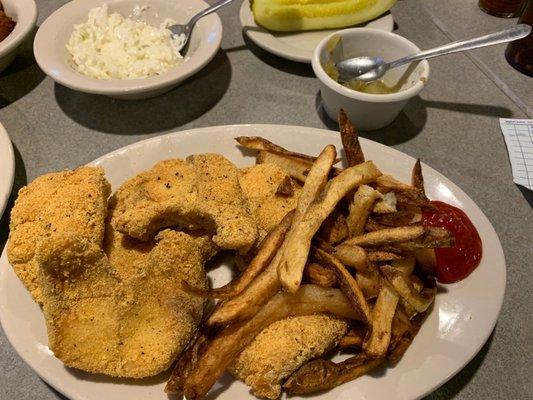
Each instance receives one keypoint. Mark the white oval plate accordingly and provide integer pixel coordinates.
(463, 318)
(7, 168)
(296, 46)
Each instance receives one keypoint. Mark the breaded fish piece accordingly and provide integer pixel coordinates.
(282, 348)
(259, 185)
(67, 201)
(133, 327)
(127, 255)
(200, 193)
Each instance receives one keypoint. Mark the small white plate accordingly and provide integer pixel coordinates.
(296, 46)
(7, 168)
(463, 317)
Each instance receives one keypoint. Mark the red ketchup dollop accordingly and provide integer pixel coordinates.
(457, 262)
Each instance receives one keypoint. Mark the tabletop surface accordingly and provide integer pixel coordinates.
(453, 126)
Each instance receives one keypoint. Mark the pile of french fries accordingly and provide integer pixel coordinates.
(354, 247)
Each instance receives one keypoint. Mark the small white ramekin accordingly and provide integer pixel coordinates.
(370, 111)
(54, 59)
(24, 13)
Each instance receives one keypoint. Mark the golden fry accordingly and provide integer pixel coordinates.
(319, 375)
(319, 275)
(347, 283)
(377, 343)
(350, 140)
(417, 179)
(294, 167)
(361, 205)
(405, 289)
(259, 143)
(387, 236)
(295, 256)
(352, 256)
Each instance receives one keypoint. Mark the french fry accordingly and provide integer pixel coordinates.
(186, 363)
(386, 205)
(406, 265)
(319, 375)
(387, 236)
(377, 343)
(347, 283)
(294, 167)
(427, 260)
(319, 275)
(354, 337)
(431, 238)
(296, 252)
(405, 341)
(350, 140)
(259, 143)
(382, 256)
(264, 256)
(405, 289)
(334, 229)
(286, 187)
(229, 343)
(352, 256)
(361, 205)
(417, 179)
(372, 226)
(395, 219)
(267, 283)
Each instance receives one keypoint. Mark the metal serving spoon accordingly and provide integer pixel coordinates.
(369, 69)
(186, 29)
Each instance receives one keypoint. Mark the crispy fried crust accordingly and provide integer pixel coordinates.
(200, 193)
(67, 201)
(282, 348)
(259, 185)
(131, 327)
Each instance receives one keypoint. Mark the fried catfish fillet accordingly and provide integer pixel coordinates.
(260, 185)
(282, 348)
(133, 327)
(67, 201)
(202, 192)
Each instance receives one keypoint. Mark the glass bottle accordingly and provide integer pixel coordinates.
(502, 8)
(520, 52)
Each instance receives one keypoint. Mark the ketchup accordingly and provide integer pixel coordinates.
(457, 262)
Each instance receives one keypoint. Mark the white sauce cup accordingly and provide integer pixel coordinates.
(370, 111)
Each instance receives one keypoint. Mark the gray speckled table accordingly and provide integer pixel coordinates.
(453, 126)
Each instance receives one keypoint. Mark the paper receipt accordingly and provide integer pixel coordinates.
(518, 135)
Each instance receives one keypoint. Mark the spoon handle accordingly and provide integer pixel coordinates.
(508, 35)
(208, 10)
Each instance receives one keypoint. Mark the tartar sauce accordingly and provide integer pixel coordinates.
(109, 46)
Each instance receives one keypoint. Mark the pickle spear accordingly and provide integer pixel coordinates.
(304, 15)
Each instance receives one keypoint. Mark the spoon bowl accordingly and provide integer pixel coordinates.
(368, 69)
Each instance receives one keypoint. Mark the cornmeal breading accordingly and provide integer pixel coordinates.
(259, 185)
(68, 201)
(282, 348)
(127, 255)
(131, 327)
(200, 193)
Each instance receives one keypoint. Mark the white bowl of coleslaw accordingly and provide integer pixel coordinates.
(120, 49)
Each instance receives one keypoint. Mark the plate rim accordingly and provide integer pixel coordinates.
(284, 51)
(229, 129)
(7, 151)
